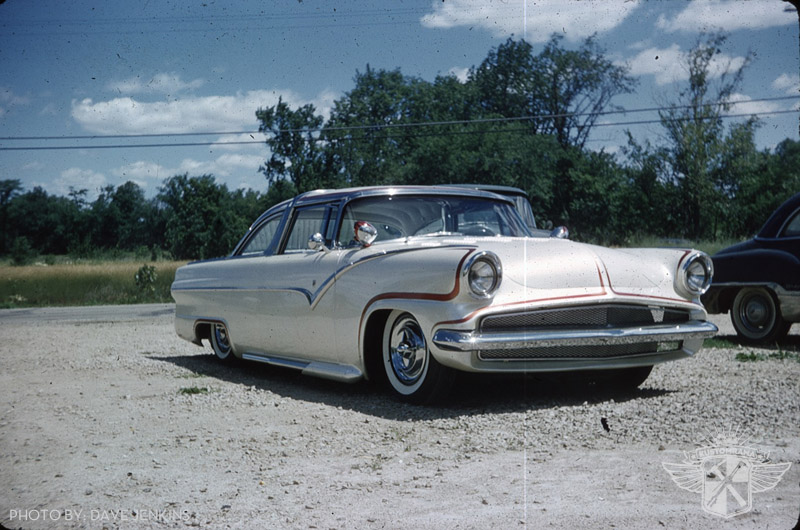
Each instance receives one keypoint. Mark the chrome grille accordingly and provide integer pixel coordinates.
(584, 317)
(569, 352)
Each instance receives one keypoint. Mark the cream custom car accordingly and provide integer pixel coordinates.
(410, 284)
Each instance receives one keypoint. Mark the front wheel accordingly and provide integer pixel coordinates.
(413, 373)
(220, 343)
(757, 317)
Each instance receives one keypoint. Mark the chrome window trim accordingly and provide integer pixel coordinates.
(264, 218)
(785, 225)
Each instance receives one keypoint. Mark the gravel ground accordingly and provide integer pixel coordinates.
(108, 420)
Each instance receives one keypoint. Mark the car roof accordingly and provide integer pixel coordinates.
(494, 188)
(778, 218)
(315, 196)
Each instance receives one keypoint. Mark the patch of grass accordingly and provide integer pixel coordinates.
(88, 283)
(716, 342)
(192, 390)
(779, 355)
(709, 247)
(750, 357)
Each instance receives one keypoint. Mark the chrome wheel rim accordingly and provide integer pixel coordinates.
(408, 351)
(222, 345)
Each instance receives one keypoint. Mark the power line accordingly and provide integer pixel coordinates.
(385, 137)
(410, 124)
(219, 22)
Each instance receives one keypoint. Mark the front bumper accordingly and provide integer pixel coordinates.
(572, 349)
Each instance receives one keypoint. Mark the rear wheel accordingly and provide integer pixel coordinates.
(413, 373)
(220, 343)
(756, 316)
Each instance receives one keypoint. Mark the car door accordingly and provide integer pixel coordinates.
(286, 310)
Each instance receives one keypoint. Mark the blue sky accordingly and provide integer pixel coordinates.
(84, 68)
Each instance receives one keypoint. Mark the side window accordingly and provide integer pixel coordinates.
(792, 227)
(309, 221)
(261, 240)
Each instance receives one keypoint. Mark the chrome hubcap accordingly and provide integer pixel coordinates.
(756, 312)
(221, 339)
(408, 351)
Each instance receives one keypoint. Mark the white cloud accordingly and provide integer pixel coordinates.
(224, 166)
(141, 171)
(462, 74)
(9, 99)
(536, 20)
(126, 115)
(744, 105)
(668, 65)
(728, 15)
(253, 142)
(162, 83)
(789, 83)
(79, 179)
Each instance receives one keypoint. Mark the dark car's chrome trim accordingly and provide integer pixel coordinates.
(456, 340)
(789, 300)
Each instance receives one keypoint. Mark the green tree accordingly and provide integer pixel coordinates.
(292, 138)
(364, 147)
(572, 88)
(8, 190)
(696, 137)
(505, 81)
(200, 221)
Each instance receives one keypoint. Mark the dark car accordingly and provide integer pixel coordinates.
(758, 281)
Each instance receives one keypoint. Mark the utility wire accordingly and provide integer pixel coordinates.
(413, 124)
(385, 137)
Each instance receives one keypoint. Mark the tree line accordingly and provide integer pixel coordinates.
(520, 119)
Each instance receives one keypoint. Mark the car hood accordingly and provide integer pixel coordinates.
(560, 269)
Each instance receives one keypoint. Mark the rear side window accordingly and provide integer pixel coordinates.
(262, 237)
(792, 227)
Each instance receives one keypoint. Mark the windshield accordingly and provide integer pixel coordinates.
(400, 217)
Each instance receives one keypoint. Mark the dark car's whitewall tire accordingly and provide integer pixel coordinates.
(221, 343)
(756, 316)
(414, 374)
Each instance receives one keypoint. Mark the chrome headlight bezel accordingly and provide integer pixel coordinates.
(695, 274)
(483, 273)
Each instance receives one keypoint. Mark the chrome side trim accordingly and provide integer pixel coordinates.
(344, 373)
(455, 340)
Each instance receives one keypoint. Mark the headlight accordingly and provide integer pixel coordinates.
(694, 274)
(483, 273)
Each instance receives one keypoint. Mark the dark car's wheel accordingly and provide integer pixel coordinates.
(757, 317)
(414, 375)
(220, 343)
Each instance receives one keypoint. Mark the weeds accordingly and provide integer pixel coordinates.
(716, 342)
(779, 355)
(78, 284)
(192, 390)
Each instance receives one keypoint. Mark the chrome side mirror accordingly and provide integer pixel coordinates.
(317, 242)
(560, 232)
(364, 233)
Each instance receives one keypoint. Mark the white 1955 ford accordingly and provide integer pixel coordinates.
(408, 284)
